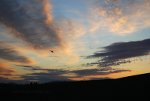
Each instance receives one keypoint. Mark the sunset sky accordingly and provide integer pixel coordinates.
(90, 39)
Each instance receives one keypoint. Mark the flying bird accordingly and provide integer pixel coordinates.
(51, 51)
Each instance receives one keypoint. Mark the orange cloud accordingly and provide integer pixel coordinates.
(5, 70)
(110, 74)
(47, 9)
(120, 19)
(71, 28)
(11, 54)
(8, 73)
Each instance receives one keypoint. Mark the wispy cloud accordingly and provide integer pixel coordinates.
(119, 53)
(100, 71)
(33, 22)
(49, 75)
(5, 71)
(119, 16)
(10, 54)
(32, 68)
(30, 20)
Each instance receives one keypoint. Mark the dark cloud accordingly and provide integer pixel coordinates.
(101, 71)
(34, 68)
(38, 74)
(119, 53)
(38, 68)
(58, 75)
(5, 80)
(8, 53)
(49, 76)
(43, 75)
(84, 72)
(30, 20)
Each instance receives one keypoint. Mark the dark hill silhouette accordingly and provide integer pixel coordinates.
(138, 85)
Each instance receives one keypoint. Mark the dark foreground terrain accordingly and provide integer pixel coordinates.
(138, 85)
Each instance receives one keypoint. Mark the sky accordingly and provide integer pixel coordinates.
(64, 40)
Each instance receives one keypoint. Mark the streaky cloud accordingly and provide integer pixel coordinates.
(10, 54)
(101, 71)
(50, 75)
(120, 53)
(5, 71)
(30, 20)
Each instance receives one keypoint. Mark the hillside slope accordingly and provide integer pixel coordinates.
(138, 85)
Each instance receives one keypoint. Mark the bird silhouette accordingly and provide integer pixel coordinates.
(51, 51)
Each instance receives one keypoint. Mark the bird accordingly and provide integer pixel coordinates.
(51, 51)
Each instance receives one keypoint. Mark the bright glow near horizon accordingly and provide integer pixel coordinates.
(74, 30)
